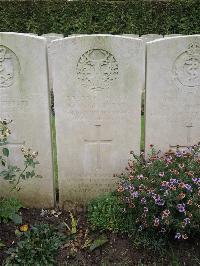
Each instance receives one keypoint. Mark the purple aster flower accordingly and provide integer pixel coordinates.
(134, 194)
(181, 207)
(177, 236)
(178, 154)
(186, 220)
(131, 187)
(159, 201)
(173, 181)
(153, 195)
(161, 174)
(143, 201)
(188, 187)
(146, 209)
(194, 180)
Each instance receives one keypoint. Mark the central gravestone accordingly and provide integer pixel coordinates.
(173, 92)
(97, 83)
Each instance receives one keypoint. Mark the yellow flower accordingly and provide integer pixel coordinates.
(24, 228)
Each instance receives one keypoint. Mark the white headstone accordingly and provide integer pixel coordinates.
(173, 92)
(52, 36)
(76, 34)
(131, 35)
(172, 35)
(150, 37)
(24, 98)
(97, 83)
(34, 34)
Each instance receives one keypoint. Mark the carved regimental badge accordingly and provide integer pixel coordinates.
(186, 69)
(9, 67)
(97, 69)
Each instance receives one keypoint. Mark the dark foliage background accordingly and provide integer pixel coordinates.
(68, 17)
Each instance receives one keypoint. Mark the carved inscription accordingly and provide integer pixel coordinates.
(97, 108)
(186, 69)
(9, 67)
(97, 69)
(92, 186)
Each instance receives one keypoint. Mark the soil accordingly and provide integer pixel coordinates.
(118, 250)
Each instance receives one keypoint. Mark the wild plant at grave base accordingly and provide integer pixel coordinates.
(12, 173)
(164, 192)
(9, 209)
(10, 206)
(37, 246)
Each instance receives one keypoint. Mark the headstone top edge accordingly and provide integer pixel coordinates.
(27, 35)
(171, 39)
(70, 38)
(52, 34)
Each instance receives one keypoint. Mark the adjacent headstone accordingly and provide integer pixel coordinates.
(172, 35)
(97, 83)
(76, 34)
(51, 37)
(150, 37)
(173, 92)
(131, 35)
(24, 98)
(34, 34)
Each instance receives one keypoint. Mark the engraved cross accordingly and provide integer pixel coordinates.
(98, 141)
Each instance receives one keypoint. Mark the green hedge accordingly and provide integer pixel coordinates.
(68, 17)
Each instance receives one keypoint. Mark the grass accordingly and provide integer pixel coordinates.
(142, 134)
(55, 163)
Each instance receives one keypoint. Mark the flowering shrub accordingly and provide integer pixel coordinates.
(164, 191)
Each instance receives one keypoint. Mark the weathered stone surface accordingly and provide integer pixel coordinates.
(172, 35)
(97, 83)
(150, 37)
(131, 35)
(30, 33)
(24, 98)
(52, 36)
(173, 92)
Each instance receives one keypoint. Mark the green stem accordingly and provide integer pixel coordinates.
(18, 180)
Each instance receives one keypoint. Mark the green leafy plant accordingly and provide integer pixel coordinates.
(74, 223)
(2, 244)
(12, 173)
(9, 209)
(38, 246)
(109, 213)
(10, 206)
